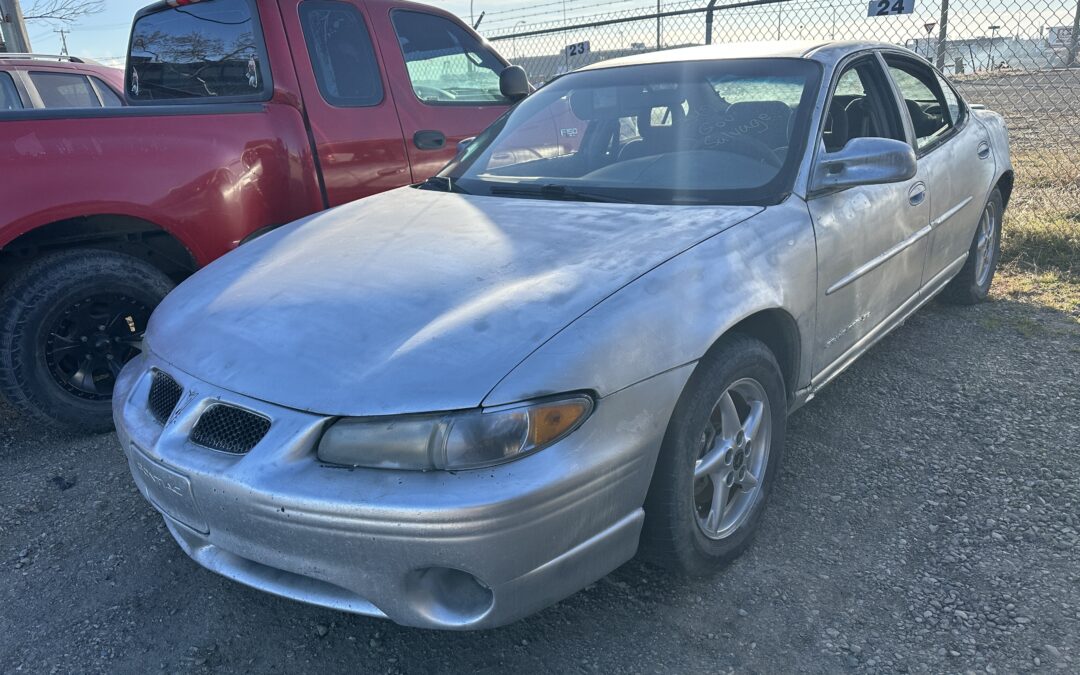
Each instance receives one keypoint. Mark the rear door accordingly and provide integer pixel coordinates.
(349, 103)
(955, 155)
(445, 81)
(871, 239)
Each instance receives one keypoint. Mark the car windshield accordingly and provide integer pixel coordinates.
(719, 132)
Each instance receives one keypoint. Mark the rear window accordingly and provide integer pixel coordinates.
(207, 51)
(9, 96)
(64, 90)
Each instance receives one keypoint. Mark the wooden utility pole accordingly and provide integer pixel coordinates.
(63, 40)
(14, 28)
(942, 36)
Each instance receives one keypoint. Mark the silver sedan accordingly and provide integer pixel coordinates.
(457, 403)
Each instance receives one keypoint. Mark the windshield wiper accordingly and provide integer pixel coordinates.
(442, 184)
(558, 193)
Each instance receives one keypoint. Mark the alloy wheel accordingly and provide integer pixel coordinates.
(734, 456)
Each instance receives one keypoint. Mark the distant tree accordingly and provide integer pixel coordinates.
(61, 11)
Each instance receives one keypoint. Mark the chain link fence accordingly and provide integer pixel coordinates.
(1019, 57)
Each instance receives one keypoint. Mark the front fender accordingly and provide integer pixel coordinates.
(673, 314)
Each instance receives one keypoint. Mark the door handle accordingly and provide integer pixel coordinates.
(984, 150)
(429, 140)
(917, 194)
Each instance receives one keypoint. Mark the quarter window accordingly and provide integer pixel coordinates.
(64, 90)
(9, 95)
(341, 52)
(205, 50)
(108, 97)
(447, 64)
(926, 106)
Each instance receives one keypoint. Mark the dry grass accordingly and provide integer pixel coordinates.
(1040, 243)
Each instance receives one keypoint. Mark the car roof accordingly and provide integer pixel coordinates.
(821, 50)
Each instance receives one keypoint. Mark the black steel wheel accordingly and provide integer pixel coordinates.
(90, 340)
(68, 323)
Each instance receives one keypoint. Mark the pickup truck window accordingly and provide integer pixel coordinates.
(108, 97)
(206, 50)
(64, 90)
(447, 65)
(9, 95)
(341, 52)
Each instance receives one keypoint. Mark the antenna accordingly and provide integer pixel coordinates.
(63, 40)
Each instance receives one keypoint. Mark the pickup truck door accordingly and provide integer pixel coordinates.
(350, 106)
(445, 81)
(871, 239)
(954, 152)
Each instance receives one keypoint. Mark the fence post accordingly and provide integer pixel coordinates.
(943, 34)
(1073, 38)
(709, 19)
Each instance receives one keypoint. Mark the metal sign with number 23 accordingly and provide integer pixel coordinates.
(890, 7)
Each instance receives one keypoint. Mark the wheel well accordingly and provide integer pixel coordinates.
(1005, 185)
(778, 330)
(124, 234)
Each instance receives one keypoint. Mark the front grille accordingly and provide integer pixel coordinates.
(229, 429)
(164, 395)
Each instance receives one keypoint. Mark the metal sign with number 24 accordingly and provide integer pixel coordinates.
(890, 7)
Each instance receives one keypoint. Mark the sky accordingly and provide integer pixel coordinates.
(104, 36)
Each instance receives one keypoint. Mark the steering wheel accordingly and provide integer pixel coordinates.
(753, 148)
(427, 92)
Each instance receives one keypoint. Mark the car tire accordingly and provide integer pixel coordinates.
(682, 531)
(972, 284)
(68, 322)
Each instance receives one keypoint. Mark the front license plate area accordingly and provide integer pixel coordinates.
(167, 490)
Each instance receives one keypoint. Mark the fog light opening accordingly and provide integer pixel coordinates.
(448, 596)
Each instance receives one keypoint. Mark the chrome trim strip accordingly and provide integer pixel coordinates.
(950, 213)
(878, 261)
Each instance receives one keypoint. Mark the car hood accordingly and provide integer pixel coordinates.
(412, 300)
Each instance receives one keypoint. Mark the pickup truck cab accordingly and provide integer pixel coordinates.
(242, 115)
(47, 81)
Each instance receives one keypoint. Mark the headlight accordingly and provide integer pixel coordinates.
(465, 440)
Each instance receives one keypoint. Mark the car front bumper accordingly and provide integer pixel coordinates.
(456, 550)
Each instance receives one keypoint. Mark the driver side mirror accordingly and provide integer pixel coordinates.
(864, 161)
(514, 83)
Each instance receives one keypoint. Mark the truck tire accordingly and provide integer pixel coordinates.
(68, 322)
(718, 461)
(971, 285)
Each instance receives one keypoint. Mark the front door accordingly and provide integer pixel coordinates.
(871, 239)
(946, 137)
(445, 82)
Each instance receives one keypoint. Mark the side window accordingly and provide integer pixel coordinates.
(447, 65)
(64, 90)
(861, 107)
(341, 52)
(923, 98)
(108, 97)
(952, 101)
(9, 95)
(204, 50)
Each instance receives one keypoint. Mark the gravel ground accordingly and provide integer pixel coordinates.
(926, 521)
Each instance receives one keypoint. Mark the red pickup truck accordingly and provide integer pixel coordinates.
(242, 115)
